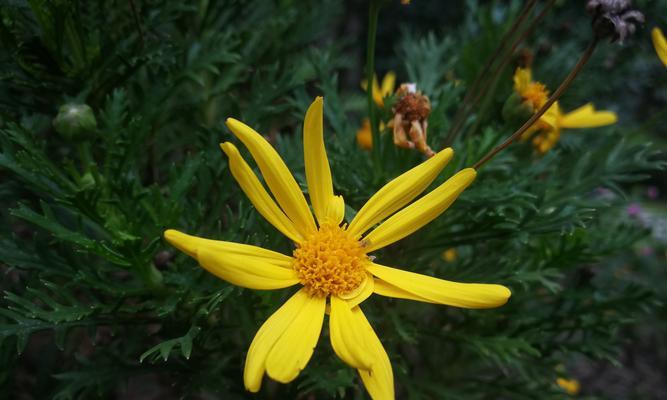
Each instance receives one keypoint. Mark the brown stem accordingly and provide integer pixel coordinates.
(555, 96)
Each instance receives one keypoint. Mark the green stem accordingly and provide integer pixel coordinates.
(482, 75)
(373, 12)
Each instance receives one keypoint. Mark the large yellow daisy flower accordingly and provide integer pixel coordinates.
(330, 262)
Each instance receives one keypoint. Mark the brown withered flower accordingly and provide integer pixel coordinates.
(614, 19)
(410, 122)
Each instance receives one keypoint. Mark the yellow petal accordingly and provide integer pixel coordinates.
(379, 381)
(318, 173)
(522, 77)
(246, 272)
(551, 118)
(364, 291)
(364, 135)
(660, 44)
(466, 295)
(277, 177)
(190, 245)
(259, 197)
(399, 192)
(266, 338)
(347, 336)
(586, 117)
(377, 94)
(388, 84)
(336, 210)
(293, 350)
(388, 290)
(421, 212)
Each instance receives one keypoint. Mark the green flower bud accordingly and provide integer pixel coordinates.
(75, 120)
(515, 110)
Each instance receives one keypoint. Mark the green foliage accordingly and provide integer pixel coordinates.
(97, 305)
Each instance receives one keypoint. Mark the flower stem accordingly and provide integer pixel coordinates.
(555, 96)
(481, 76)
(490, 87)
(373, 12)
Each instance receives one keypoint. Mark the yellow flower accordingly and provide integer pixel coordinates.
(533, 93)
(380, 92)
(571, 386)
(660, 44)
(331, 260)
(449, 255)
(550, 124)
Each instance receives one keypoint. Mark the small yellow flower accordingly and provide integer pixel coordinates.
(571, 386)
(330, 262)
(450, 255)
(660, 44)
(380, 92)
(534, 93)
(549, 126)
(364, 135)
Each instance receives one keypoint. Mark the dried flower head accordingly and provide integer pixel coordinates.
(411, 119)
(614, 19)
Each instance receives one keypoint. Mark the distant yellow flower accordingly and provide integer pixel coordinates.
(534, 93)
(549, 125)
(330, 261)
(660, 44)
(571, 386)
(364, 135)
(380, 92)
(450, 255)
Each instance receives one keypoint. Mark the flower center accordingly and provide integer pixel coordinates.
(536, 94)
(330, 261)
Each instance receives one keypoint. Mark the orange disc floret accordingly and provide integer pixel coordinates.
(330, 261)
(536, 94)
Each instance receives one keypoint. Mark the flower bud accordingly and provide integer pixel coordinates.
(614, 19)
(516, 111)
(74, 120)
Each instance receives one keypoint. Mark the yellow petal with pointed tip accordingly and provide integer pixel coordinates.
(318, 173)
(293, 350)
(245, 272)
(190, 245)
(421, 212)
(379, 381)
(267, 336)
(660, 44)
(466, 295)
(259, 197)
(347, 336)
(587, 117)
(277, 176)
(399, 192)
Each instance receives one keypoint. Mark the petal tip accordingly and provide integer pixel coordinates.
(228, 148)
(171, 235)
